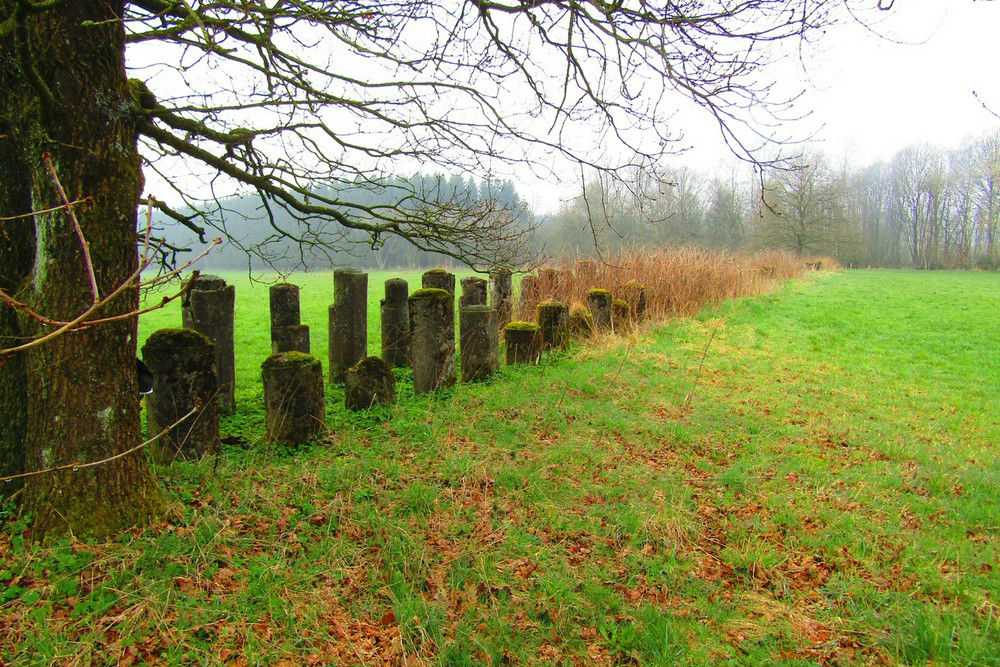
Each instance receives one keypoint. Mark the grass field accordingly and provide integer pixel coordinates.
(825, 491)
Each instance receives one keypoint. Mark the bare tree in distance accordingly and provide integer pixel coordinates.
(282, 99)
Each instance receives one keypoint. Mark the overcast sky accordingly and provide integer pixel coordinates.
(871, 95)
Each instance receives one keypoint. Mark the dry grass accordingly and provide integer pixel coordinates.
(678, 281)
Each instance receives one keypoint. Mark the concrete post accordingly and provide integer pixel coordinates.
(396, 324)
(479, 337)
(208, 308)
(182, 362)
(287, 333)
(473, 292)
(502, 295)
(369, 382)
(524, 344)
(432, 339)
(294, 404)
(438, 279)
(348, 321)
(599, 302)
(553, 325)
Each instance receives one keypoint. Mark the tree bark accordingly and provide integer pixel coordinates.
(68, 96)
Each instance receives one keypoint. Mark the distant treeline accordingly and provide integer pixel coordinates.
(924, 208)
(262, 237)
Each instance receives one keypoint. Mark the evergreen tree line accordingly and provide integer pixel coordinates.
(263, 237)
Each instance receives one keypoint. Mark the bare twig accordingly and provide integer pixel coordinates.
(76, 202)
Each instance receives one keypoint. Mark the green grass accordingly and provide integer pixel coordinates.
(825, 492)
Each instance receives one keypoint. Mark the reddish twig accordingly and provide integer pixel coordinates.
(84, 244)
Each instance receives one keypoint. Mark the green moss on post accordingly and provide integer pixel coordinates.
(431, 293)
(439, 279)
(524, 343)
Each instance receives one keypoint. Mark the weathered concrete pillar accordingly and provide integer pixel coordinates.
(294, 405)
(182, 362)
(530, 294)
(581, 322)
(369, 382)
(284, 301)
(473, 292)
(553, 325)
(621, 316)
(432, 339)
(438, 279)
(524, 344)
(599, 302)
(586, 271)
(479, 336)
(635, 295)
(208, 308)
(396, 324)
(502, 295)
(287, 333)
(348, 321)
(292, 338)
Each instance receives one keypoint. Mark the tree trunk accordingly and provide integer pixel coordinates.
(17, 243)
(68, 96)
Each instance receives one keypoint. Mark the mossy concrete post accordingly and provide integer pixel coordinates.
(473, 292)
(438, 279)
(182, 362)
(635, 295)
(621, 315)
(287, 333)
(396, 324)
(294, 404)
(599, 302)
(369, 382)
(553, 325)
(502, 295)
(348, 321)
(581, 322)
(432, 339)
(480, 342)
(524, 343)
(208, 308)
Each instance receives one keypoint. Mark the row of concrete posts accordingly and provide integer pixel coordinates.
(194, 367)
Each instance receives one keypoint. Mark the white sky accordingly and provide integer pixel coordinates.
(869, 96)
